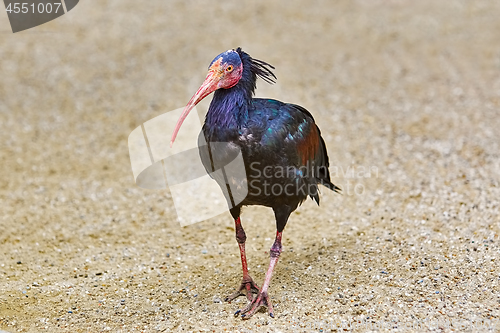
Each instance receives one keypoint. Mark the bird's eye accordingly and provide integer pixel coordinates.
(229, 68)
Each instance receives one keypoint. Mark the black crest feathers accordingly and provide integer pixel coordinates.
(258, 67)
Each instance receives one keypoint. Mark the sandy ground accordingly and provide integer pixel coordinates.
(407, 96)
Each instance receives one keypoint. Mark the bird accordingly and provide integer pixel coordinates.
(284, 155)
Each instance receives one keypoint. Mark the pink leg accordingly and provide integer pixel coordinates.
(247, 284)
(263, 297)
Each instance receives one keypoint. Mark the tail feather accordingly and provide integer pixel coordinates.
(330, 185)
(324, 176)
(327, 184)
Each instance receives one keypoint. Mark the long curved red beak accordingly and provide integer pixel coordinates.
(209, 86)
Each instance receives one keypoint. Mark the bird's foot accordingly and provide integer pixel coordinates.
(246, 288)
(262, 299)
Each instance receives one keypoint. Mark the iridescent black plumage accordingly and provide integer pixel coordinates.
(284, 155)
(272, 136)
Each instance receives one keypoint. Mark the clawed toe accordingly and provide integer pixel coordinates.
(247, 288)
(262, 299)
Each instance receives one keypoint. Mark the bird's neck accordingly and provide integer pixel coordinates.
(228, 110)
